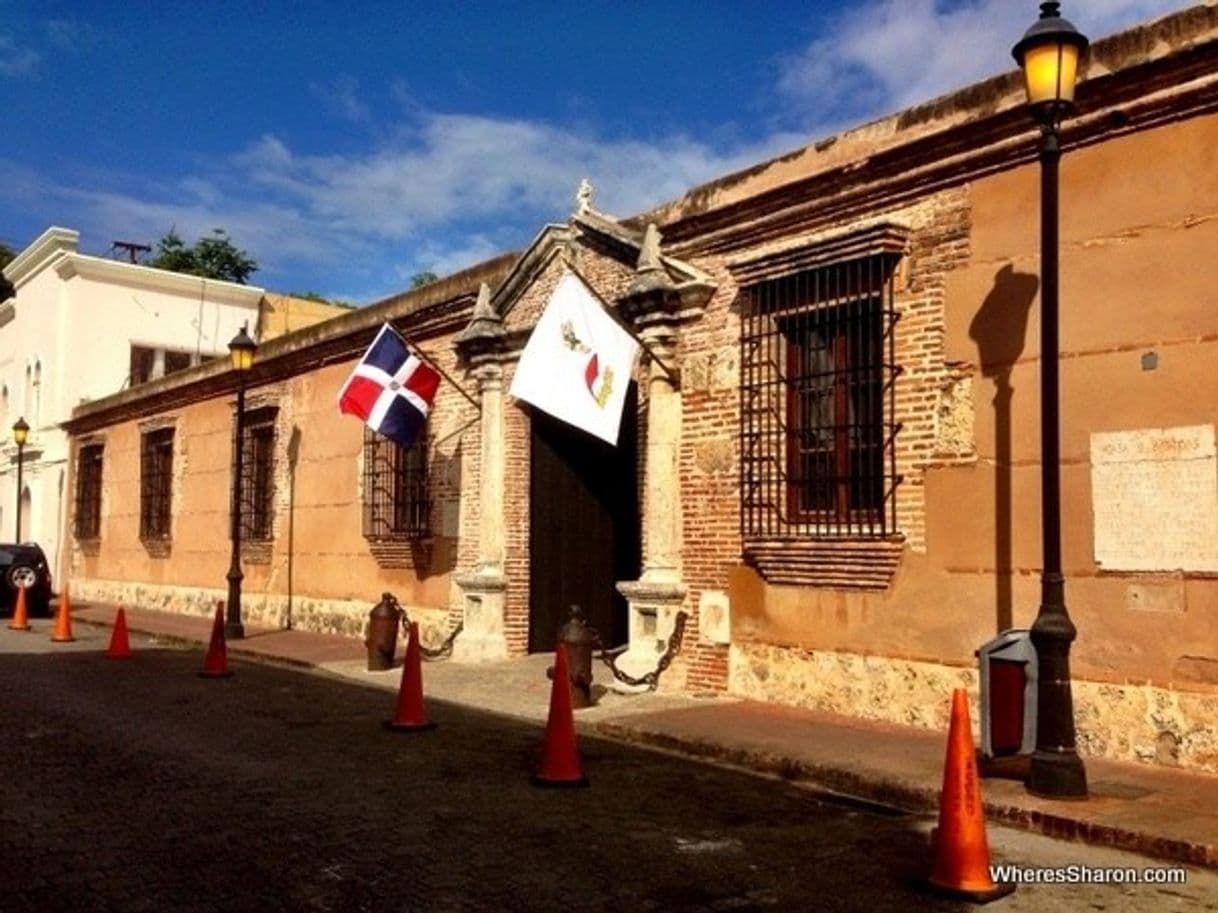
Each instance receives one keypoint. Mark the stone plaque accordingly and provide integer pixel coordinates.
(1154, 494)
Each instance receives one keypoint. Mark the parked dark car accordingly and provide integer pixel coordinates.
(25, 566)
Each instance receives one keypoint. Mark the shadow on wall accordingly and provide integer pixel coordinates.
(1000, 328)
(440, 557)
(293, 458)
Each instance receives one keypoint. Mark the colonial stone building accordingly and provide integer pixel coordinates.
(828, 474)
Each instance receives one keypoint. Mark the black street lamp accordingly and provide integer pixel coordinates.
(242, 350)
(1049, 54)
(21, 433)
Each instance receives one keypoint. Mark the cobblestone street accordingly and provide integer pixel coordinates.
(138, 786)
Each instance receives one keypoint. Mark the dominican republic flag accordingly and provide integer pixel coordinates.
(390, 389)
(578, 361)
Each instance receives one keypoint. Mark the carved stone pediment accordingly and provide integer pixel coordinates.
(612, 258)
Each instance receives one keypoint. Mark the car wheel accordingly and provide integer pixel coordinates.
(23, 576)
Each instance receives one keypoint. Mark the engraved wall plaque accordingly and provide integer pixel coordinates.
(1154, 497)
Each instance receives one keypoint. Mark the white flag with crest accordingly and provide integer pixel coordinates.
(578, 362)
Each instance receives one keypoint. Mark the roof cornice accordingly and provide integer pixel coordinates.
(161, 280)
(45, 249)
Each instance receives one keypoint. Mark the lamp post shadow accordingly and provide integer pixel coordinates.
(999, 329)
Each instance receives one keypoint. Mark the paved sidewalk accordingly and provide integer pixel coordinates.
(1155, 811)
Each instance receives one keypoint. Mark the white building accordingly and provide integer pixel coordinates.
(80, 328)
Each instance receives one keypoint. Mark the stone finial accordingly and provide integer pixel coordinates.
(485, 323)
(583, 196)
(650, 274)
(649, 252)
(482, 307)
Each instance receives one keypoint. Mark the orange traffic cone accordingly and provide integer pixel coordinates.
(120, 647)
(411, 715)
(63, 620)
(21, 615)
(559, 757)
(215, 663)
(962, 853)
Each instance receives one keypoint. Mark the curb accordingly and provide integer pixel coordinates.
(914, 798)
(186, 641)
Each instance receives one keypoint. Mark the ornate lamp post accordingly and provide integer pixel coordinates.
(1049, 53)
(21, 433)
(242, 349)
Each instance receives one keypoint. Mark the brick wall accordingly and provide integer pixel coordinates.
(710, 352)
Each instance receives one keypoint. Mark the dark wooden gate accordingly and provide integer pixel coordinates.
(583, 526)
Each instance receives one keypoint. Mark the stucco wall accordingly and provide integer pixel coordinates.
(318, 567)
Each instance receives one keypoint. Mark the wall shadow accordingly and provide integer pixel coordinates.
(293, 458)
(999, 329)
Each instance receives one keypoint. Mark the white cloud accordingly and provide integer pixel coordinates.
(885, 55)
(17, 61)
(443, 192)
(447, 167)
(341, 98)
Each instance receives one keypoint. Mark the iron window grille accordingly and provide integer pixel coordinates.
(397, 502)
(817, 384)
(88, 491)
(156, 483)
(258, 474)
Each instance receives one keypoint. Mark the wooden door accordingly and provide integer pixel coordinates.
(583, 526)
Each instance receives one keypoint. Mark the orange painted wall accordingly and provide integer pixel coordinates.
(1139, 227)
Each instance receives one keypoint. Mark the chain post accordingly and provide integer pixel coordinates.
(652, 678)
(441, 652)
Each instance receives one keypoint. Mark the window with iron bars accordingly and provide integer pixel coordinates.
(397, 503)
(88, 491)
(817, 387)
(156, 483)
(258, 474)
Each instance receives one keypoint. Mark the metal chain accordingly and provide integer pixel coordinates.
(652, 678)
(441, 652)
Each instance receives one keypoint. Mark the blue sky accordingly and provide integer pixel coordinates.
(348, 146)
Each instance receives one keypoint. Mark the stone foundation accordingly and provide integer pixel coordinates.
(1126, 722)
(321, 616)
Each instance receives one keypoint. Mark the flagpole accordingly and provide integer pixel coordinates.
(438, 441)
(626, 328)
(422, 356)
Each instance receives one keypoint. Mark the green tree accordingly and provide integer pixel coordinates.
(213, 257)
(311, 296)
(6, 257)
(418, 280)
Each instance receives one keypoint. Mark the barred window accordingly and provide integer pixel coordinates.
(156, 483)
(88, 491)
(817, 400)
(258, 474)
(397, 504)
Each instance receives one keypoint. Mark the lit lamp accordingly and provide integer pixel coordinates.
(242, 350)
(1049, 55)
(21, 433)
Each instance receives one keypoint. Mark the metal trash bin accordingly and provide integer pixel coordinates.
(1008, 669)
